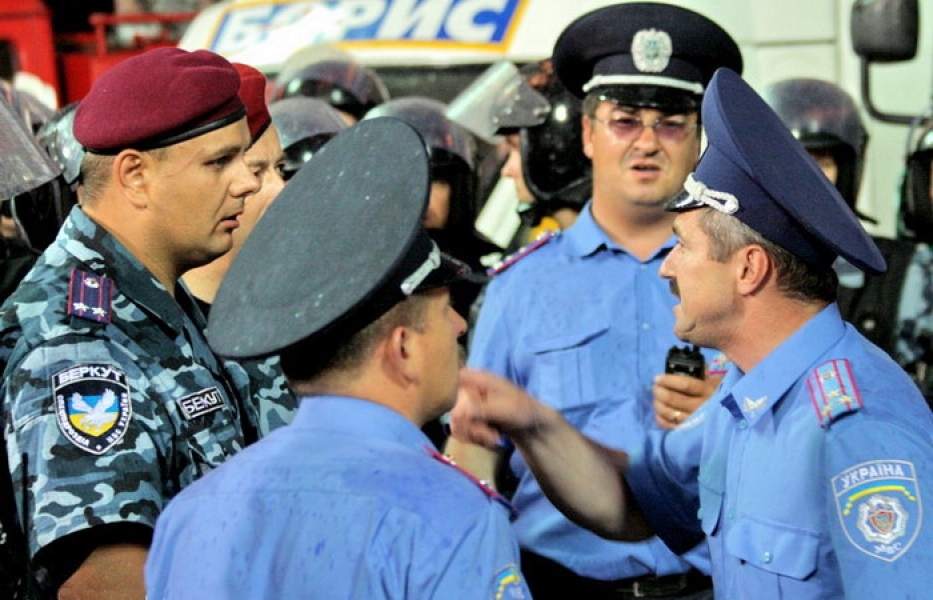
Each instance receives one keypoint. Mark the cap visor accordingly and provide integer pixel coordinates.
(449, 272)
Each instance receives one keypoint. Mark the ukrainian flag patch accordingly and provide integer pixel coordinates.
(509, 584)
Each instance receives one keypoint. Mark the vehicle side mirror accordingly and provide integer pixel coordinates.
(884, 31)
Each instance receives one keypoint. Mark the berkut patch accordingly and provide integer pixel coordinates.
(879, 506)
(92, 405)
(200, 403)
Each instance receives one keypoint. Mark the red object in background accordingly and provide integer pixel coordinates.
(26, 25)
(70, 62)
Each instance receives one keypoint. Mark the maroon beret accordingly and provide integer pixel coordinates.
(253, 95)
(159, 98)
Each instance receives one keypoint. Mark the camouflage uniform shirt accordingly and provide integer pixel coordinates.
(112, 399)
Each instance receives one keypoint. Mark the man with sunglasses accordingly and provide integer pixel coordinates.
(582, 320)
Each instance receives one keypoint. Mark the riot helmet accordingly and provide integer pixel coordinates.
(31, 169)
(346, 85)
(532, 103)
(555, 169)
(823, 117)
(57, 137)
(451, 149)
(916, 209)
(304, 125)
(39, 212)
(27, 107)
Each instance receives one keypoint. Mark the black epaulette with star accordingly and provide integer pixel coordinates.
(513, 258)
(89, 296)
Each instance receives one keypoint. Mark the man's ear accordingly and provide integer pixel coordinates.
(398, 354)
(587, 136)
(755, 268)
(131, 171)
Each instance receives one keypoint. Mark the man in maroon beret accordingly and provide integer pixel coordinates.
(264, 158)
(112, 400)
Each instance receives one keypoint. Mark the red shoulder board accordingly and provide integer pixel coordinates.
(479, 482)
(89, 296)
(833, 391)
(513, 258)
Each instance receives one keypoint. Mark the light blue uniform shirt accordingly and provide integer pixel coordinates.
(347, 502)
(810, 473)
(584, 326)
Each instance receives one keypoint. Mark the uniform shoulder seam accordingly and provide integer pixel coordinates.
(541, 241)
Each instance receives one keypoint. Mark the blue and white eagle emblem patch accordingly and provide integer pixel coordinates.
(92, 405)
(879, 506)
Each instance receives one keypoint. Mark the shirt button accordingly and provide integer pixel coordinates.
(743, 424)
(646, 326)
(766, 557)
(731, 515)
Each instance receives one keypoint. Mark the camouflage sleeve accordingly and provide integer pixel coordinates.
(915, 310)
(273, 402)
(97, 435)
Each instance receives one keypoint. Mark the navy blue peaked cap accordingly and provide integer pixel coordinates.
(754, 169)
(341, 245)
(644, 54)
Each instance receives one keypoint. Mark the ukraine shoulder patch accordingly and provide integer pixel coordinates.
(833, 391)
(92, 405)
(511, 259)
(509, 584)
(879, 507)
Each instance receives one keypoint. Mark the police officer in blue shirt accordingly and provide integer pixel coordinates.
(810, 466)
(582, 320)
(351, 500)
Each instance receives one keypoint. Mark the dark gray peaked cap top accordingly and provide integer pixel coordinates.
(643, 44)
(341, 244)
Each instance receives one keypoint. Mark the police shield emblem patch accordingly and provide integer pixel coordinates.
(879, 506)
(92, 405)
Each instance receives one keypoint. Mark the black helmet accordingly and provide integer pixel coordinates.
(304, 125)
(345, 84)
(533, 103)
(824, 117)
(916, 210)
(555, 169)
(451, 149)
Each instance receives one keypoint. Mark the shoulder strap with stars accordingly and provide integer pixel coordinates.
(479, 482)
(513, 258)
(89, 296)
(833, 391)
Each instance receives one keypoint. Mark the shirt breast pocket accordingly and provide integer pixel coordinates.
(710, 506)
(562, 372)
(776, 552)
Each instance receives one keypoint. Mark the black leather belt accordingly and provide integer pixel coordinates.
(664, 586)
(549, 580)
